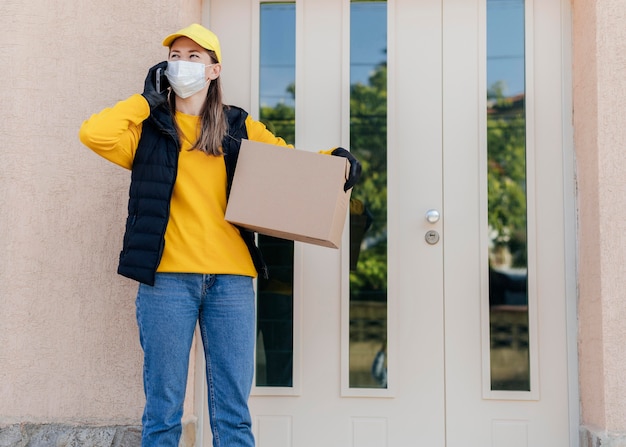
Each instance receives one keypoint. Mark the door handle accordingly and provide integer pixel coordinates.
(432, 216)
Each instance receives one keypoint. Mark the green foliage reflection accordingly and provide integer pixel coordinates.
(506, 175)
(368, 141)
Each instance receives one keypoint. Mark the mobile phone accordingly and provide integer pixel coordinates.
(161, 81)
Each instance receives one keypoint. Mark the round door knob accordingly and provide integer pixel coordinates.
(432, 216)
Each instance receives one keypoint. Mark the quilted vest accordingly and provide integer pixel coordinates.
(152, 181)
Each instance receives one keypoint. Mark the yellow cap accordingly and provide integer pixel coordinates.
(200, 35)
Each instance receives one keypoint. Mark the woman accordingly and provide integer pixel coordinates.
(181, 144)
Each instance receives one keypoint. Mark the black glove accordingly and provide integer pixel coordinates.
(153, 97)
(355, 167)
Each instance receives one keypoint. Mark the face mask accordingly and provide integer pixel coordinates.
(186, 78)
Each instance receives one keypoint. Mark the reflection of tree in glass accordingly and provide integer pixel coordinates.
(368, 141)
(281, 119)
(506, 175)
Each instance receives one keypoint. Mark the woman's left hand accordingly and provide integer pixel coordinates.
(355, 167)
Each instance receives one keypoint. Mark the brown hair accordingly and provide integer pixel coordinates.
(213, 124)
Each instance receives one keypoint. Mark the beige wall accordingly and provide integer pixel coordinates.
(69, 348)
(600, 139)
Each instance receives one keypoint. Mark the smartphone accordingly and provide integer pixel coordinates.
(161, 81)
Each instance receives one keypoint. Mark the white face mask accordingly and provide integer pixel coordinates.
(186, 78)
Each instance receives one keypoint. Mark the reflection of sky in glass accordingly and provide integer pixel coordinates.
(278, 52)
(368, 39)
(505, 44)
(368, 46)
(368, 43)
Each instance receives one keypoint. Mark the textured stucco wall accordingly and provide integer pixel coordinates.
(600, 139)
(69, 350)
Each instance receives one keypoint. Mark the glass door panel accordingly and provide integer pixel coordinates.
(506, 178)
(274, 358)
(368, 207)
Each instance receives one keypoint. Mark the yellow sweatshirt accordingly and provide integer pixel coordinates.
(197, 238)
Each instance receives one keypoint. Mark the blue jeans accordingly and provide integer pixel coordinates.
(167, 314)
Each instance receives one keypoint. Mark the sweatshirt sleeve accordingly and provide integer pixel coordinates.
(258, 132)
(114, 132)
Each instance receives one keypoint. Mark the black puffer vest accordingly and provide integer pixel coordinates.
(152, 182)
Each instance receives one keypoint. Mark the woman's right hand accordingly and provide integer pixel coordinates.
(150, 92)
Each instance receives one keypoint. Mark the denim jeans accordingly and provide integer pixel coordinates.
(167, 314)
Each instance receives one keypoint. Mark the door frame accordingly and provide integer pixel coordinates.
(571, 219)
(244, 97)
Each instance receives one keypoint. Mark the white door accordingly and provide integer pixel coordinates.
(461, 365)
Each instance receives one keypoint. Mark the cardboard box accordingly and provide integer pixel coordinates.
(289, 193)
